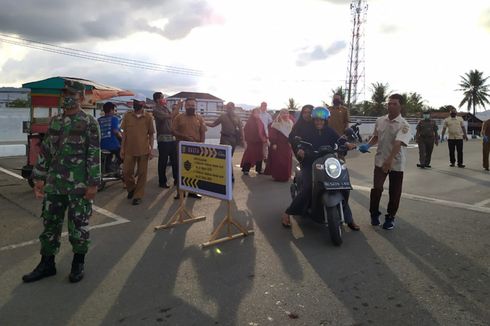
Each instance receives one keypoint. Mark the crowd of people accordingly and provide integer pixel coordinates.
(68, 169)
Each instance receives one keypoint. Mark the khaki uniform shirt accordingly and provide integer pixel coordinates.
(231, 126)
(453, 126)
(339, 119)
(137, 133)
(189, 125)
(389, 131)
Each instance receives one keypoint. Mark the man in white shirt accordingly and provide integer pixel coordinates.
(392, 134)
(266, 119)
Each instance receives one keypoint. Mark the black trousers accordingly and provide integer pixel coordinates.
(426, 146)
(395, 191)
(108, 161)
(302, 200)
(457, 144)
(166, 151)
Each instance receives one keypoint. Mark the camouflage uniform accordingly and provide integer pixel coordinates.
(426, 137)
(69, 162)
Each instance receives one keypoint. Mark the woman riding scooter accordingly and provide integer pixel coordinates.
(320, 134)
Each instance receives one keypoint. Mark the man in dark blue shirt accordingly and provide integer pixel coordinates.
(110, 133)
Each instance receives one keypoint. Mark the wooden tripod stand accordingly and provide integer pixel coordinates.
(178, 217)
(228, 221)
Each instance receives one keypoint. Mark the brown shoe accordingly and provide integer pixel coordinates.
(354, 226)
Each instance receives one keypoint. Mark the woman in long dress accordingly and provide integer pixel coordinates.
(255, 139)
(280, 161)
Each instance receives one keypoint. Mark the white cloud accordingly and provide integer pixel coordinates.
(249, 50)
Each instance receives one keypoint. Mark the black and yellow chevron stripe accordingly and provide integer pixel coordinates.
(208, 152)
(190, 182)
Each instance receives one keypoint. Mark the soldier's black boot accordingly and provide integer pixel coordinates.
(44, 269)
(77, 270)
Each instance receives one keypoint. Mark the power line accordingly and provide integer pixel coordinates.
(130, 63)
(97, 56)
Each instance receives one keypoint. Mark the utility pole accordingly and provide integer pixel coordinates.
(355, 81)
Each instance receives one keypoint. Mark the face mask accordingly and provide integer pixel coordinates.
(453, 115)
(426, 116)
(70, 102)
(336, 102)
(190, 111)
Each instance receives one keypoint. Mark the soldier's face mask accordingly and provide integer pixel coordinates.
(426, 116)
(70, 102)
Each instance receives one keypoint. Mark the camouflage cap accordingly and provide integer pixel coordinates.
(73, 87)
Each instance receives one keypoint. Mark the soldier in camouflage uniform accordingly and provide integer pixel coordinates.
(426, 137)
(66, 177)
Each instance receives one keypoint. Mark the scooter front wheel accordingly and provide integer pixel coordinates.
(334, 223)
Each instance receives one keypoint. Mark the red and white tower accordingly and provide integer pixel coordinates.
(355, 83)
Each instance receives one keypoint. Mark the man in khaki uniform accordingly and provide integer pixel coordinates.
(339, 115)
(189, 126)
(455, 135)
(136, 149)
(392, 134)
(485, 133)
(426, 137)
(231, 127)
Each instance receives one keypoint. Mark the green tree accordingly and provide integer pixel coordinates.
(18, 103)
(475, 90)
(414, 104)
(357, 109)
(292, 105)
(376, 107)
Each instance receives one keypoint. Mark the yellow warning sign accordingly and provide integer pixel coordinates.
(205, 169)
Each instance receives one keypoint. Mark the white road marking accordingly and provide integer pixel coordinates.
(15, 175)
(436, 201)
(482, 203)
(117, 219)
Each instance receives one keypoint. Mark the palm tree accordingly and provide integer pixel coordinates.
(380, 93)
(292, 105)
(378, 98)
(414, 103)
(474, 89)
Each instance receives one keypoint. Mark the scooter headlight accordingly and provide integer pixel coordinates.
(333, 167)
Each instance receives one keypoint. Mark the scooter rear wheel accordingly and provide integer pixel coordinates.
(334, 223)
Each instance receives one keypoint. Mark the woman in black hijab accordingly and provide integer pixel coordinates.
(302, 127)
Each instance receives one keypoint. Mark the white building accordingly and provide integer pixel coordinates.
(206, 103)
(9, 94)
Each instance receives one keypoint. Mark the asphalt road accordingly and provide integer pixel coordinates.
(433, 269)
